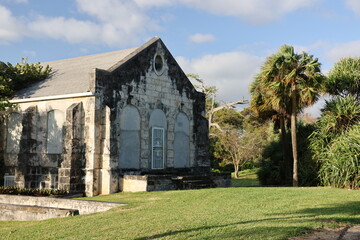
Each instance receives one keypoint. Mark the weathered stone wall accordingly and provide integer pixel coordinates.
(137, 84)
(33, 164)
(12, 212)
(99, 143)
(135, 183)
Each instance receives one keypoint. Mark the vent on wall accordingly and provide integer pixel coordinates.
(9, 181)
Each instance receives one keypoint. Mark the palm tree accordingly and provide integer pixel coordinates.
(264, 109)
(292, 82)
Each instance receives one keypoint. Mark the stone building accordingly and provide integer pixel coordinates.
(100, 121)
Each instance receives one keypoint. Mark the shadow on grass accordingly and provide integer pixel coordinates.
(216, 233)
(352, 209)
(330, 214)
(350, 212)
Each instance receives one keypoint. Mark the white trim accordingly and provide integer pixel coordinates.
(36, 99)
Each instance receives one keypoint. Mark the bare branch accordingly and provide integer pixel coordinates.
(229, 105)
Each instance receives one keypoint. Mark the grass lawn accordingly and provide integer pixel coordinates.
(222, 213)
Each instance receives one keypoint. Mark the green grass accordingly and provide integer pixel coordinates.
(247, 178)
(221, 213)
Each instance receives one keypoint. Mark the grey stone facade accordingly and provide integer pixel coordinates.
(100, 117)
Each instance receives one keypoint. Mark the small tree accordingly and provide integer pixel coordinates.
(232, 144)
(18, 76)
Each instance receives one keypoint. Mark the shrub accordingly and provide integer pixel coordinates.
(336, 143)
(31, 191)
(274, 171)
(340, 161)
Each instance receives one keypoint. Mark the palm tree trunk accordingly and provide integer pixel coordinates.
(293, 137)
(286, 172)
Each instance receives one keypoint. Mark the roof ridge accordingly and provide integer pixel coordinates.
(133, 53)
(149, 42)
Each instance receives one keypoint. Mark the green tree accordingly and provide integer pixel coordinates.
(344, 78)
(263, 108)
(336, 140)
(291, 82)
(336, 143)
(18, 76)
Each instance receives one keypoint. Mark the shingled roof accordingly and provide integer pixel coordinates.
(71, 76)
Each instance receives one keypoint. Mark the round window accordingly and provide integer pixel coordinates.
(159, 64)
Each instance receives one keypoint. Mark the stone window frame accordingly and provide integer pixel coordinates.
(157, 57)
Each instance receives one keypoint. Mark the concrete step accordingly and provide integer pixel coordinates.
(194, 182)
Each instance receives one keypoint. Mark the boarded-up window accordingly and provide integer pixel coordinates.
(129, 138)
(55, 122)
(158, 127)
(54, 181)
(14, 133)
(182, 141)
(157, 148)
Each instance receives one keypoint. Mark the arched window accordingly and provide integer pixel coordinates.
(182, 141)
(158, 127)
(129, 138)
(54, 137)
(14, 131)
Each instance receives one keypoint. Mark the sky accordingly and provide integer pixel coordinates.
(225, 42)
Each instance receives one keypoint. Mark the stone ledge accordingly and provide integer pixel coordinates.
(83, 206)
(16, 212)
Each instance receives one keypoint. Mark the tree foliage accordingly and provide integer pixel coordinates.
(234, 141)
(273, 171)
(286, 84)
(336, 143)
(336, 140)
(18, 76)
(344, 78)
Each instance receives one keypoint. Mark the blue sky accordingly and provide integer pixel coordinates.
(224, 41)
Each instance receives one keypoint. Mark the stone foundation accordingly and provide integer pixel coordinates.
(142, 183)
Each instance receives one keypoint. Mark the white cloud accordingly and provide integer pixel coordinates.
(201, 38)
(71, 30)
(116, 23)
(349, 49)
(254, 11)
(124, 23)
(10, 27)
(153, 3)
(16, 1)
(231, 72)
(354, 5)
